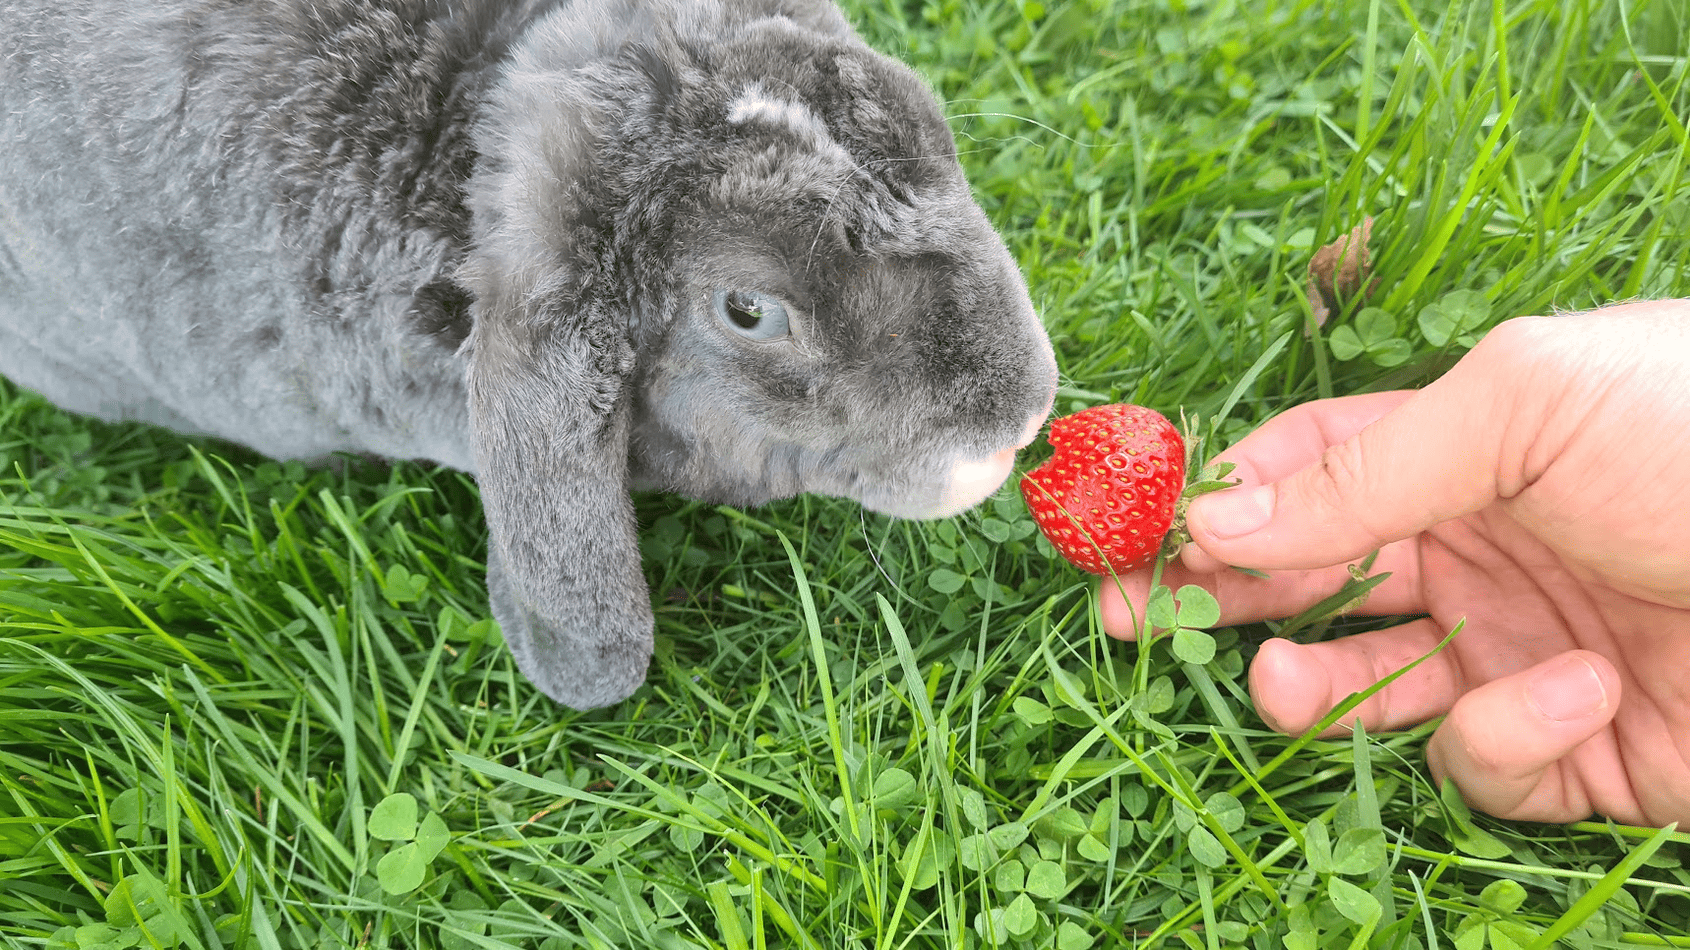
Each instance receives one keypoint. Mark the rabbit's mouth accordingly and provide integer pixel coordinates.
(971, 481)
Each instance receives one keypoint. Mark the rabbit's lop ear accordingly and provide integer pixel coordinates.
(549, 362)
(550, 421)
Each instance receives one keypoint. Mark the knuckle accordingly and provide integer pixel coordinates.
(1520, 346)
(1341, 476)
(1352, 491)
(1513, 336)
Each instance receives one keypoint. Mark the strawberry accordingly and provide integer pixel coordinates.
(1106, 498)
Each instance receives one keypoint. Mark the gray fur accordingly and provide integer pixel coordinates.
(494, 235)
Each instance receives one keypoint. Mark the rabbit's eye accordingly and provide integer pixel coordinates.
(753, 315)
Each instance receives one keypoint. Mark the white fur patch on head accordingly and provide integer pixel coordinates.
(756, 104)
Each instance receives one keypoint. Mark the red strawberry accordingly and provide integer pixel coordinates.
(1106, 498)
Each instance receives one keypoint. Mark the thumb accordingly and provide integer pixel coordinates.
(1437, 455)
(1502, 740)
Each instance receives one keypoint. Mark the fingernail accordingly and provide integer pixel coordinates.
(1233, 514)
(1567, 689)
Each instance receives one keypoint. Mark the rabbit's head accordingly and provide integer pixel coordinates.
(731, 255)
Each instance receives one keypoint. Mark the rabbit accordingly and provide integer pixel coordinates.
(576, 248)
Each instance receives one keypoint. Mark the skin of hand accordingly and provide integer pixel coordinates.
(1540, 491)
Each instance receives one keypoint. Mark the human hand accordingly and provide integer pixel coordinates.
(1540, 491)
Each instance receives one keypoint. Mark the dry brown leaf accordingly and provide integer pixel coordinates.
(1338, 271)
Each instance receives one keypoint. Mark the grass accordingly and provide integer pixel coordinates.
(247, 704)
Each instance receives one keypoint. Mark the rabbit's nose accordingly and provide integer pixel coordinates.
(973, 481)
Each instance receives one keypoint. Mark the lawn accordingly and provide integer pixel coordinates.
(250, 704)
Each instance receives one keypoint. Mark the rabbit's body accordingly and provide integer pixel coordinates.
(572, 246)
(206, 222)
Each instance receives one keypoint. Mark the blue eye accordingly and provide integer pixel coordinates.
(753, 315)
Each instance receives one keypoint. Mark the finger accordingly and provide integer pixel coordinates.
(1245, 598)
(1295, 685)
(1295, 438)
(1435, 455)
(1502, 742)
(1121, 602)
(1291, 441)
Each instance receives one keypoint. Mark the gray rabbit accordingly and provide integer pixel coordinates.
(575, 247)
